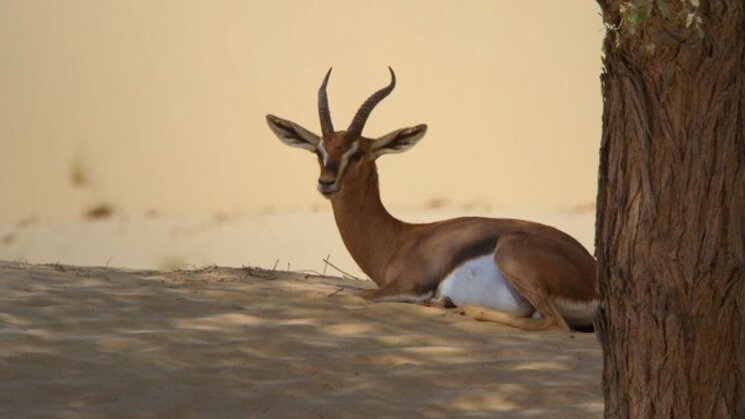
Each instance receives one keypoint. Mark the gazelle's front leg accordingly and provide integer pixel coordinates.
(394, 292)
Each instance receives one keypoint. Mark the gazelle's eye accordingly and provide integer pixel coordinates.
(356, 156)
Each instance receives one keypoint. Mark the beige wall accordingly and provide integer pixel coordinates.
(160, 104)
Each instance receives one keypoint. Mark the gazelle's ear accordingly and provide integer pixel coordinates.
(398, 141)
(292, 134)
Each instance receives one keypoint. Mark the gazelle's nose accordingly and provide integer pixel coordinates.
(326, 180)
(327, 185)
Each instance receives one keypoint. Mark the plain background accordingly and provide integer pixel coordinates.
(159, 105)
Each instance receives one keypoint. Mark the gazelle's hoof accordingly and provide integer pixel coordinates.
(447, 302)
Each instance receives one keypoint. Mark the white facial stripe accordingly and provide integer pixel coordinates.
(345, 158)
(352, 149)
(324, 154)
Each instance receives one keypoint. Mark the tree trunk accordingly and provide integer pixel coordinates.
(670, 239)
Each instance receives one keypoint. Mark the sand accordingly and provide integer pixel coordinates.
(242, 342)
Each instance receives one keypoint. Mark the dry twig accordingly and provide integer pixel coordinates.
(344, 274)
(335, 292)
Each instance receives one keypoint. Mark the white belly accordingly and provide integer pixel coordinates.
(479, 282)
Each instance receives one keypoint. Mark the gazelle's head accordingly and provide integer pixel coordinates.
(346, 158)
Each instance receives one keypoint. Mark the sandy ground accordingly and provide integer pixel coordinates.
(223, 342)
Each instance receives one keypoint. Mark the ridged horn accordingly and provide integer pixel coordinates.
(358, 123)
(323, 106)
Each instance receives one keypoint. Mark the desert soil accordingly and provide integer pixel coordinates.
(229, 342)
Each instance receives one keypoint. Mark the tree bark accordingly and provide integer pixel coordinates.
(670, 237)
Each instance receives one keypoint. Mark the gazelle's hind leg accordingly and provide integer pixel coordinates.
(524, 323)
(520, 258)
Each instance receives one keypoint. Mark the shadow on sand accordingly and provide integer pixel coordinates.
(221, 342)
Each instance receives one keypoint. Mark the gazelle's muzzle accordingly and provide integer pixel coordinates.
(327, 184)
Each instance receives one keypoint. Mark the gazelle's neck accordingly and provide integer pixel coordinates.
(369, 232)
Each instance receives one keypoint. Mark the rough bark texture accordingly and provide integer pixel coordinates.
(670, 238)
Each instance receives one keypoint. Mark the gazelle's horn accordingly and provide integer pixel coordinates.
(358, 123)
(323, 107)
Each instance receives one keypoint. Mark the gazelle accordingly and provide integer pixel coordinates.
(520, 273)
